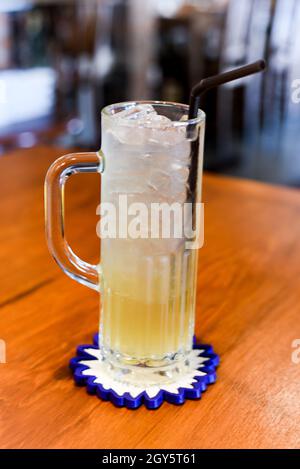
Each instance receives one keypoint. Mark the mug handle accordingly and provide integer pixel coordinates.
(57, 175)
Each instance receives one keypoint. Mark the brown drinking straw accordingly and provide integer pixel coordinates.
(216, 80)
(197, 91)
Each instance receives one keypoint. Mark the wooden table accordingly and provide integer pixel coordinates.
(248, 308)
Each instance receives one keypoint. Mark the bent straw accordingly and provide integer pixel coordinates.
(216, 80)
(197, 91)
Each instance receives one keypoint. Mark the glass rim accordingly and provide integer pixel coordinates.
(107, 111)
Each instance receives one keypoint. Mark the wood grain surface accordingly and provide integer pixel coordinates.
(248, 307)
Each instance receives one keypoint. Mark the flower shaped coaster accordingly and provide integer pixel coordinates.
(89, 370)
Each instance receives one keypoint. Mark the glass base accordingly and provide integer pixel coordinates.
(148, 371)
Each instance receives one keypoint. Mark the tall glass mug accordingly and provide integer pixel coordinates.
(151, 171)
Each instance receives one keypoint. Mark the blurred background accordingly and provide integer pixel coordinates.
(61, 61)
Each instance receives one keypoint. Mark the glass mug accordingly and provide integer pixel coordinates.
(152, 154)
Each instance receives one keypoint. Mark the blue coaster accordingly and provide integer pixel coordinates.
(88, 370)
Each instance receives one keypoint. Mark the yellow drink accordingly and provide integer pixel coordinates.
(148, 307)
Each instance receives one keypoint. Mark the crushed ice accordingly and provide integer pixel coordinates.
(149, 127)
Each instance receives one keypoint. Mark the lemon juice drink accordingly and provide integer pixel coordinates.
(148, 286)
(148, 310)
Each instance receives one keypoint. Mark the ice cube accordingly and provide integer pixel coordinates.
(131, 135)
(158, 121)
(159, 180)
(167, 135)
(146, 126)
(136, 112)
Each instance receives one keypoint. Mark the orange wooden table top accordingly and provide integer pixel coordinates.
(248, 308)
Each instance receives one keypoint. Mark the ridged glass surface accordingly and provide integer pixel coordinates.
(148, 285)
(148, 308)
